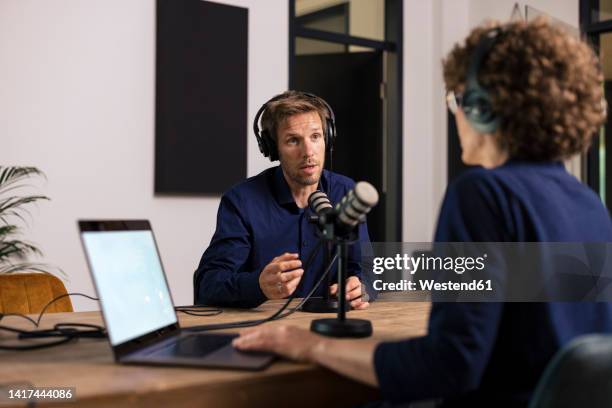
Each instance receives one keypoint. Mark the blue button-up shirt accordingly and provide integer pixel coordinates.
(257, 221)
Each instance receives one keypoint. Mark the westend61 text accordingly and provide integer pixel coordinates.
(432, 285)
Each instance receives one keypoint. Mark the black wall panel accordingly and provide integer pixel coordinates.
(201, 97)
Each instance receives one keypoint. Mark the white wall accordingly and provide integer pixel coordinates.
(77, 100)
(77, 85)
(430, 30)
(419, 159)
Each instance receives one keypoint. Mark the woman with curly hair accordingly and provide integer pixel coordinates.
(525, 97)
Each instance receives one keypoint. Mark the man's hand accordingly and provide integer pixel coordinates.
(353, 293)
(275, 282)
(291, 342)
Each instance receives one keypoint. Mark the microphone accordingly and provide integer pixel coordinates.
(349, 212)
(319, 202)
(336, 226)
(352, 209)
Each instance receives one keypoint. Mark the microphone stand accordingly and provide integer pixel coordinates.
(340, 326)
(324, 304)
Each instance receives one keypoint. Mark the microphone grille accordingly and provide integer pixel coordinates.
(318, 201)
(366, 193)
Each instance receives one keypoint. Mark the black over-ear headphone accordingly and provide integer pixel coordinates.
(267, 143)
(476, 102)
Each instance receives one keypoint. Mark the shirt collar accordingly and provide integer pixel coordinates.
(554, 164)
(281, 188)
(282, 191)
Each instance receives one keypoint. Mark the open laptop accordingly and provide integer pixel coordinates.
(137, 307)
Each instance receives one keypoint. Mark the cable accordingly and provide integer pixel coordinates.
(44, 309)
(253, 322)
(69, 331)
(65, 331)
(276, 315)
(62, 340)
(312, 291)
(18, 315)
(58, 298)
(199, 310)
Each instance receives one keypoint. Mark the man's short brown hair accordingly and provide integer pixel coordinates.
(545, 86)
(288, 104)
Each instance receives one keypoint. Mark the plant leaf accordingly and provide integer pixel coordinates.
(13, 174)
(6, 230)
(12, 206)
(19, 249)
(13, 202)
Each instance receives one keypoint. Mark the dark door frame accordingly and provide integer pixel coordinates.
(591, 30)
(392, 89)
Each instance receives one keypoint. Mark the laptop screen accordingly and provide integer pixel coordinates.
(130, 282)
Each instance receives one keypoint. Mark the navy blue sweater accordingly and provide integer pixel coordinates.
(492, 354)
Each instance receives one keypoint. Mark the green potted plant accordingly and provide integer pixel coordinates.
(14, 251)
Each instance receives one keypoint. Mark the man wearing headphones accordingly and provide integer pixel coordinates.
(263, 231)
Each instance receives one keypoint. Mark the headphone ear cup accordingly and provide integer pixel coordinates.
(478, 111)
(269, 146)
(274, 154)
(330, 135)
(265, 149)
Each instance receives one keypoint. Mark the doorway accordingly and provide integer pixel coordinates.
(349, 53)
(596, 26)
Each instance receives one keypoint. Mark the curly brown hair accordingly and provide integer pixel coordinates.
(545, 87)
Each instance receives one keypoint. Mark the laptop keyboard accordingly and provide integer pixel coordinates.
(196, 345)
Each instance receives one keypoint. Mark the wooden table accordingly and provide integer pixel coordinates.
(88, 365)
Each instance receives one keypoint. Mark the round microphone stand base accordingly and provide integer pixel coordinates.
(355, 328)
(322, 305)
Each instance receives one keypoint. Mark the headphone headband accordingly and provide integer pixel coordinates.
(476, 100)
(481, 52)
(330, 111)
